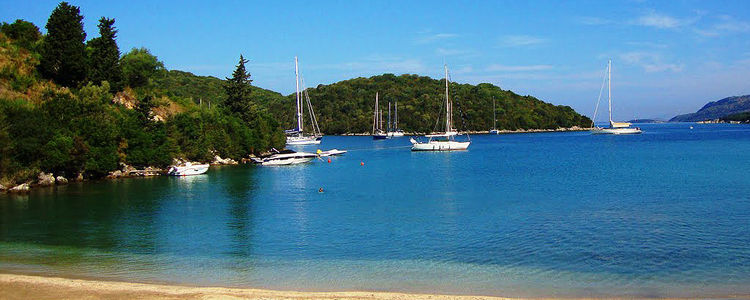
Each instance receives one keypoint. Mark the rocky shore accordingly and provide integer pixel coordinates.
(125, 171)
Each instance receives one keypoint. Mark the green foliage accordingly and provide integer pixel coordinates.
(63, 52)
(238, 91)
(743, 117)
(105, 56)
(25, 34)
(347, 106)
(140, 67)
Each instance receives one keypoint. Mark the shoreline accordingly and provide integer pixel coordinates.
(17, 286)
(501, 131)
(129, 172)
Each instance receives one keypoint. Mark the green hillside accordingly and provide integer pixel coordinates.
(347, 106)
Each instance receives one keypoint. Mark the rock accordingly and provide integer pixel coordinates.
(125, 98)
(61, 180)
(115, 174)
(220, 161)
(46, 179)
(22, 188)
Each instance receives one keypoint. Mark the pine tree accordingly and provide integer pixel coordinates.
(63, 51)
(238, 92)
(105, 56)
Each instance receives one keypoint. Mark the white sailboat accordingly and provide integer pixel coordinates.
(494, 118)
(377, 123)
(443, 141)
(614, 127)
(297, 136)
(393, 130)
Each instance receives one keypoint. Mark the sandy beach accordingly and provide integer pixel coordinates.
(14, 286)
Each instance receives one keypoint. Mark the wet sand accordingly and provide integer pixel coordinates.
(13, 286)
(38, 287)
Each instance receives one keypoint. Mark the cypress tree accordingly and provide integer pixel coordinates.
(63, 51)
(238, 91)
(105, 56)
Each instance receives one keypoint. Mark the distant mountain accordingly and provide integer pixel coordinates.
(717, 109)
(646, 121)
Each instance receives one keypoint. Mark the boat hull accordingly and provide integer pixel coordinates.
(379, 137)
(188, 170)
(494, 131)
(626, 130)
(306, 140)
(289, 161)
(332, 152)
(395, 134)
(440, 146)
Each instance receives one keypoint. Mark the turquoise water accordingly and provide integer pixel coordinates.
(665, 213)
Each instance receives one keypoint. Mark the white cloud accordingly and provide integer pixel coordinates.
(529, 68)
(726, 25)
(426, 39)
(662, 21)
(454, 52)
(521, 41)
(593, 21)
(650, 62)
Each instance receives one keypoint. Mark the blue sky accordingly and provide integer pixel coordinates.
(669, 57)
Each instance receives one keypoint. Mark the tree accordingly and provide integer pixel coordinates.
(238, 91)
(63, 51)
(139, 66)
(105, 56)
(24, 33)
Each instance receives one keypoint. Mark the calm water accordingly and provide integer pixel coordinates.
(665, 213)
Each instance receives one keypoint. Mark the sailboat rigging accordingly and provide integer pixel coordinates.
(297, 136)
(614, 127)
(377, 123)
(442, 141)
(494, 118)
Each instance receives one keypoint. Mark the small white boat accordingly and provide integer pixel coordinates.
(393, 130)
(284, 157)
(377, 122)
(300, 139)
(614, 127)
(445, 141)
(297, 136)
(332, 152)
(494, 118)
(188, 169)
(440, 142)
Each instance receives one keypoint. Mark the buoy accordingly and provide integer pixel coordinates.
(361, 163)
(329, 160)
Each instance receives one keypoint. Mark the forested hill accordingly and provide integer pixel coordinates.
(347, 106)
(717, 109)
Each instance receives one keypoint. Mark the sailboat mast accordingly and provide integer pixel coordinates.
(375, 115)
(609, 89)
(447, 102)
(494, 116)
(395, 122)
(299, 106)
(389, 116)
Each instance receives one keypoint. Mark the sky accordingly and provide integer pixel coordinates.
(668, 57)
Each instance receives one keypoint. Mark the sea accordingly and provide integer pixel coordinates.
(562, 214)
